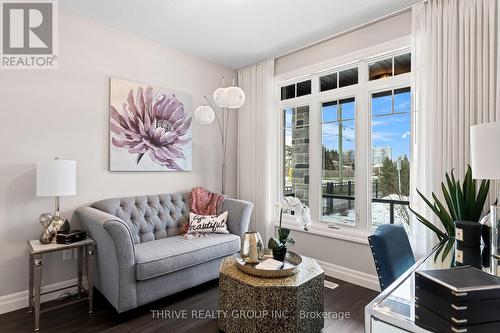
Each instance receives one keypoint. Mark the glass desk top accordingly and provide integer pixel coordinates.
(395, 305)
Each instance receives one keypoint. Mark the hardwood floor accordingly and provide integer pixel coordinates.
(346, 297)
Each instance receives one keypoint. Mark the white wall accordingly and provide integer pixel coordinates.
(344, 259)
(377, 33)
(64, 113)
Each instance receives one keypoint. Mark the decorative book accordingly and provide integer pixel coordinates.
(270, 265)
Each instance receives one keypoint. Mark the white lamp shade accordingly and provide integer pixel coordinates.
(204, 114)
(219, 97)
(485, 150)
(231, 97)
(235, 97)
(55, 178)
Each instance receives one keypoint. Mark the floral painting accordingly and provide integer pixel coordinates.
(150, 128)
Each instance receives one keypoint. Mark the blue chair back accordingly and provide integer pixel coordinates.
(391, 252)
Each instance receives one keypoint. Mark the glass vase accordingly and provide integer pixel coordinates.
(495, 227)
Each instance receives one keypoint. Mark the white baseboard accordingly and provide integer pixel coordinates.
(19, 300)
(350, 275)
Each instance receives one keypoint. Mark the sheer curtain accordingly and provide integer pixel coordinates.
(256, 144)
(454, 45)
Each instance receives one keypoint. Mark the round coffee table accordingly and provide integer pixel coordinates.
(253, 304)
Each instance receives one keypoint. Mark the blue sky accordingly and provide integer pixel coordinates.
(392, 129)
(387, 129)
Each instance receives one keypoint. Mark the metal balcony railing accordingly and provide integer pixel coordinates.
(391, 202)
(332, 191)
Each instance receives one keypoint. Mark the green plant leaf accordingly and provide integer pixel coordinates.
(449, 202)
(460, 202)
(447, 249)
(469, 192)
(452, 190)
(453, 176)
(481, 199)
(283, 234)
(440, 235)
(431, 205)
(274, 243)
(438, 251)
(444, 217)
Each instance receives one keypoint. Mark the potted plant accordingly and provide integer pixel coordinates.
(462, 203)
(279, 243)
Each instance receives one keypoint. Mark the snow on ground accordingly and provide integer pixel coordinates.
(380, 213)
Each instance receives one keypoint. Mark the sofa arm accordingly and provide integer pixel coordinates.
(115, 256)
(239, 213)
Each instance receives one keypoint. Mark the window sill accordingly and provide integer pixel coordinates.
(321, 229)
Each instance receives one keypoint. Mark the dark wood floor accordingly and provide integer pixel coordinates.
(74, 318)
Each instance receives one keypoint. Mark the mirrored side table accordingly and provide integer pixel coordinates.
(85, 248)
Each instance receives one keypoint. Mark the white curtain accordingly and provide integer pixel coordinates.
(256, 144)
(454, 48)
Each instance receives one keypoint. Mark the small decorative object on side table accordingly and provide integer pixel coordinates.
(301, 212)
(36, 252)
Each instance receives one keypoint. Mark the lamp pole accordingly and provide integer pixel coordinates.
(223, 126)
(225, 98)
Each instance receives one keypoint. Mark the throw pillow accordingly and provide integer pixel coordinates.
(208, 223)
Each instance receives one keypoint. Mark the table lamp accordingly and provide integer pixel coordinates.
(54, 178)
(485, 163)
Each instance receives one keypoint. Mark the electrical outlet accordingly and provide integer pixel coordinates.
(67, 254)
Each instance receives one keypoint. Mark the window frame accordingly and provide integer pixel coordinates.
(362, 92)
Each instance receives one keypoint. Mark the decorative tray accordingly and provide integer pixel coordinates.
(290, 266)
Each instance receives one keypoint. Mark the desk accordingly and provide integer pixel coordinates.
(393, 310)
(36, 250)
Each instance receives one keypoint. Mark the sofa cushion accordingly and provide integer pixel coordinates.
(171, 254)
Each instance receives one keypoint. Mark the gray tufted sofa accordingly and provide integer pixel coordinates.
(140, 255)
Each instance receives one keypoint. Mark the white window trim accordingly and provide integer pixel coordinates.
(362, 92)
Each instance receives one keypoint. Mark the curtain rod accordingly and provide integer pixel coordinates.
(345, 32)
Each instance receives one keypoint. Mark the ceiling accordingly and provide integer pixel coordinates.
(234, 33)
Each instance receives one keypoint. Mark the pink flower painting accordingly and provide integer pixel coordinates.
(150, 129)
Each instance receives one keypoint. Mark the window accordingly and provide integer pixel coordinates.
(340, 79)
(389, 67)
(338, 160)
(328, 82)
(296, 90)
(288, 92)
(390, 112)
(346, 146)
(348, 77)
(304, 88)
(402, 64)
(296, 153)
